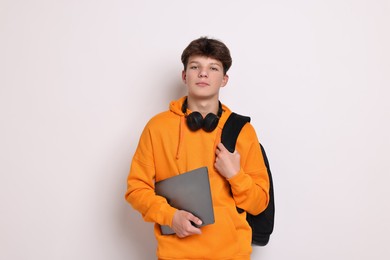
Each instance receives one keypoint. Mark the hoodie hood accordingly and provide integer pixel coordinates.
(176, 108)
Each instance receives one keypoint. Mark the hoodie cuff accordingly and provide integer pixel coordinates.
(237, 182)
(167, 217)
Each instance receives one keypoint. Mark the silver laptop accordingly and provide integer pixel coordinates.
(188, 191)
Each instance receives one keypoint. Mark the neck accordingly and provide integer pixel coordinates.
(203, 106)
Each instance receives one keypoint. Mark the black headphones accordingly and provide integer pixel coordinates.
(195, 120)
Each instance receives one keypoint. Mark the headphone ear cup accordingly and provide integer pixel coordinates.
(210, 122)
(195, 121)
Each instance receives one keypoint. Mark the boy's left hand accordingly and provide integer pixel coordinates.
(226, 163)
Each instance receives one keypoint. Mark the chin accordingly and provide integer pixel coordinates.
(202, 96)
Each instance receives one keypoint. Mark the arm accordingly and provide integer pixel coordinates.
(141, 195)
(140, 184)
(245, 171)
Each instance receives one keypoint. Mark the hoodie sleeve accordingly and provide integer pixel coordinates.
(140, 185)
(251, 185)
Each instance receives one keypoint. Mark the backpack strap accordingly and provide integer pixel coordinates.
(232, 129)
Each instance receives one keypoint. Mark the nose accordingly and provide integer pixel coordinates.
(203, 74)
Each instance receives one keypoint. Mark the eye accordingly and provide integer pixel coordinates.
(214, 68)
(194, 67)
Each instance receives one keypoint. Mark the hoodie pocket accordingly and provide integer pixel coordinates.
(224, 232)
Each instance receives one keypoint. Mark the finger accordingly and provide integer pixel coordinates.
(194, 219)
(218, 150)
(194, 230)
(221, 147)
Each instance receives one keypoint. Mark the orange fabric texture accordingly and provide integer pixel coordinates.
(167, 148)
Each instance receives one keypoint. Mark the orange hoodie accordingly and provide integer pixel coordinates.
(167, 148)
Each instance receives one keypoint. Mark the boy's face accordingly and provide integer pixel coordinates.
(204, 77)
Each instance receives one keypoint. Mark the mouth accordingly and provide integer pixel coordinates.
(202, 84)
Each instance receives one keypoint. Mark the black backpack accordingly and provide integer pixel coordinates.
(263, 224)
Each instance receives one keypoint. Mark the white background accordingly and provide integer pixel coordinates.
(79, 80)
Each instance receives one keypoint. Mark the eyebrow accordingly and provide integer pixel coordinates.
(213, 63)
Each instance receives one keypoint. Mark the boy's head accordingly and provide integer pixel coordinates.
(209, 48)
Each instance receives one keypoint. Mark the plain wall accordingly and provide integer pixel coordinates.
(79, 80)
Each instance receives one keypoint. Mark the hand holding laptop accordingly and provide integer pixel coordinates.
(183, 226)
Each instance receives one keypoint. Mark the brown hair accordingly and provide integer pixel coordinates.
(210, 48)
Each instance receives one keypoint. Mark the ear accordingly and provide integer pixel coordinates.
(225, 80)
(184, 76)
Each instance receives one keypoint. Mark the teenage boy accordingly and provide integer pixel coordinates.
(186, 137)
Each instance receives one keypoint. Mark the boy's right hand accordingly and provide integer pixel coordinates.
(182, 225)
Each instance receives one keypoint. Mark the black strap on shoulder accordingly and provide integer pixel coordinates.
(263, 224)
(232, 129)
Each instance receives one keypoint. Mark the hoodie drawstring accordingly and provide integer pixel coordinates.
(181, 136)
